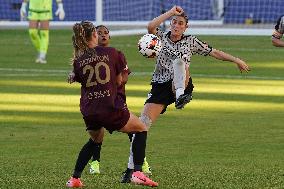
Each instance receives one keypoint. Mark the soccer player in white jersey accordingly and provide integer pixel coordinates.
(39, 15)
(278, 33)
(171, 65)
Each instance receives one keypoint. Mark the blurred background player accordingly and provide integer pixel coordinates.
(39, 15)
(278, 33)
(104, 40)
(100, 105)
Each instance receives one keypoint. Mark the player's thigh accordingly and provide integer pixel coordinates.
(33, 24)
(153, 110)
(44, 24)
(97, 135)
(187, 76)
(134, 124)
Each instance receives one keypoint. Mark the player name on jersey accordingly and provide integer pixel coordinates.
(102, 58)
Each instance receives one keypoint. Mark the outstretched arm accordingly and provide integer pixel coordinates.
(152, 26)
(220, 55)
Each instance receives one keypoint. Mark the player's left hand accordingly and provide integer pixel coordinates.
(60, 11)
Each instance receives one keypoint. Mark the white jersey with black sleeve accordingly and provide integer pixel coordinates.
(279, 28)
(187, 46)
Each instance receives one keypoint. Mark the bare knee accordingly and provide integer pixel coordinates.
(146, 120)
(97, 135)
(133, 125)
(152, 110)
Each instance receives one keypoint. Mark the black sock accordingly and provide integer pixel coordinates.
(84, 156)
(138, 149)
(97, 153)
(130, 135)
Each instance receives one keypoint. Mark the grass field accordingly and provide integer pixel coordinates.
(230, 136)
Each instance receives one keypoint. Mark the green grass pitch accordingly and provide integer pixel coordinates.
(230, 136)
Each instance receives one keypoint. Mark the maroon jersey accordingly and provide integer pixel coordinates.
(121, 88)
(97, 75)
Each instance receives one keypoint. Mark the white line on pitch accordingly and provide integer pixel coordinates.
(42, 72)
(33, 70)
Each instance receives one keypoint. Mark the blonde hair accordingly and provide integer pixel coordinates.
(82, 34)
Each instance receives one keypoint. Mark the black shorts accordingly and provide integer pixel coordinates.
(162, 93)
(110, 121)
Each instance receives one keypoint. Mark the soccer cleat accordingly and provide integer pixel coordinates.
(37, 60)
(126, 177)
(95, 167)
(146, 167)
(41, 61)
(41, 58)
(183, 100)
(74, 183)
(139, 178)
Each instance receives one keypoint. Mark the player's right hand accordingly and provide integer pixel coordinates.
(71, 77)
(176, 10)
(23, 11)
(243, 67)
(60, 11)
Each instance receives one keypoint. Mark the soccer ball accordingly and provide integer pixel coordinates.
(149, 45)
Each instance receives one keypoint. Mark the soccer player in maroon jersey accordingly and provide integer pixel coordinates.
(104, 40)
(278, 33)
(99, 70)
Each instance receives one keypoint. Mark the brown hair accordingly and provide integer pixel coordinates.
(185, 17)
(82, 34)
(102, 26)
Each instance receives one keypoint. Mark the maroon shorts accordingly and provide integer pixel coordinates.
(110, 121)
